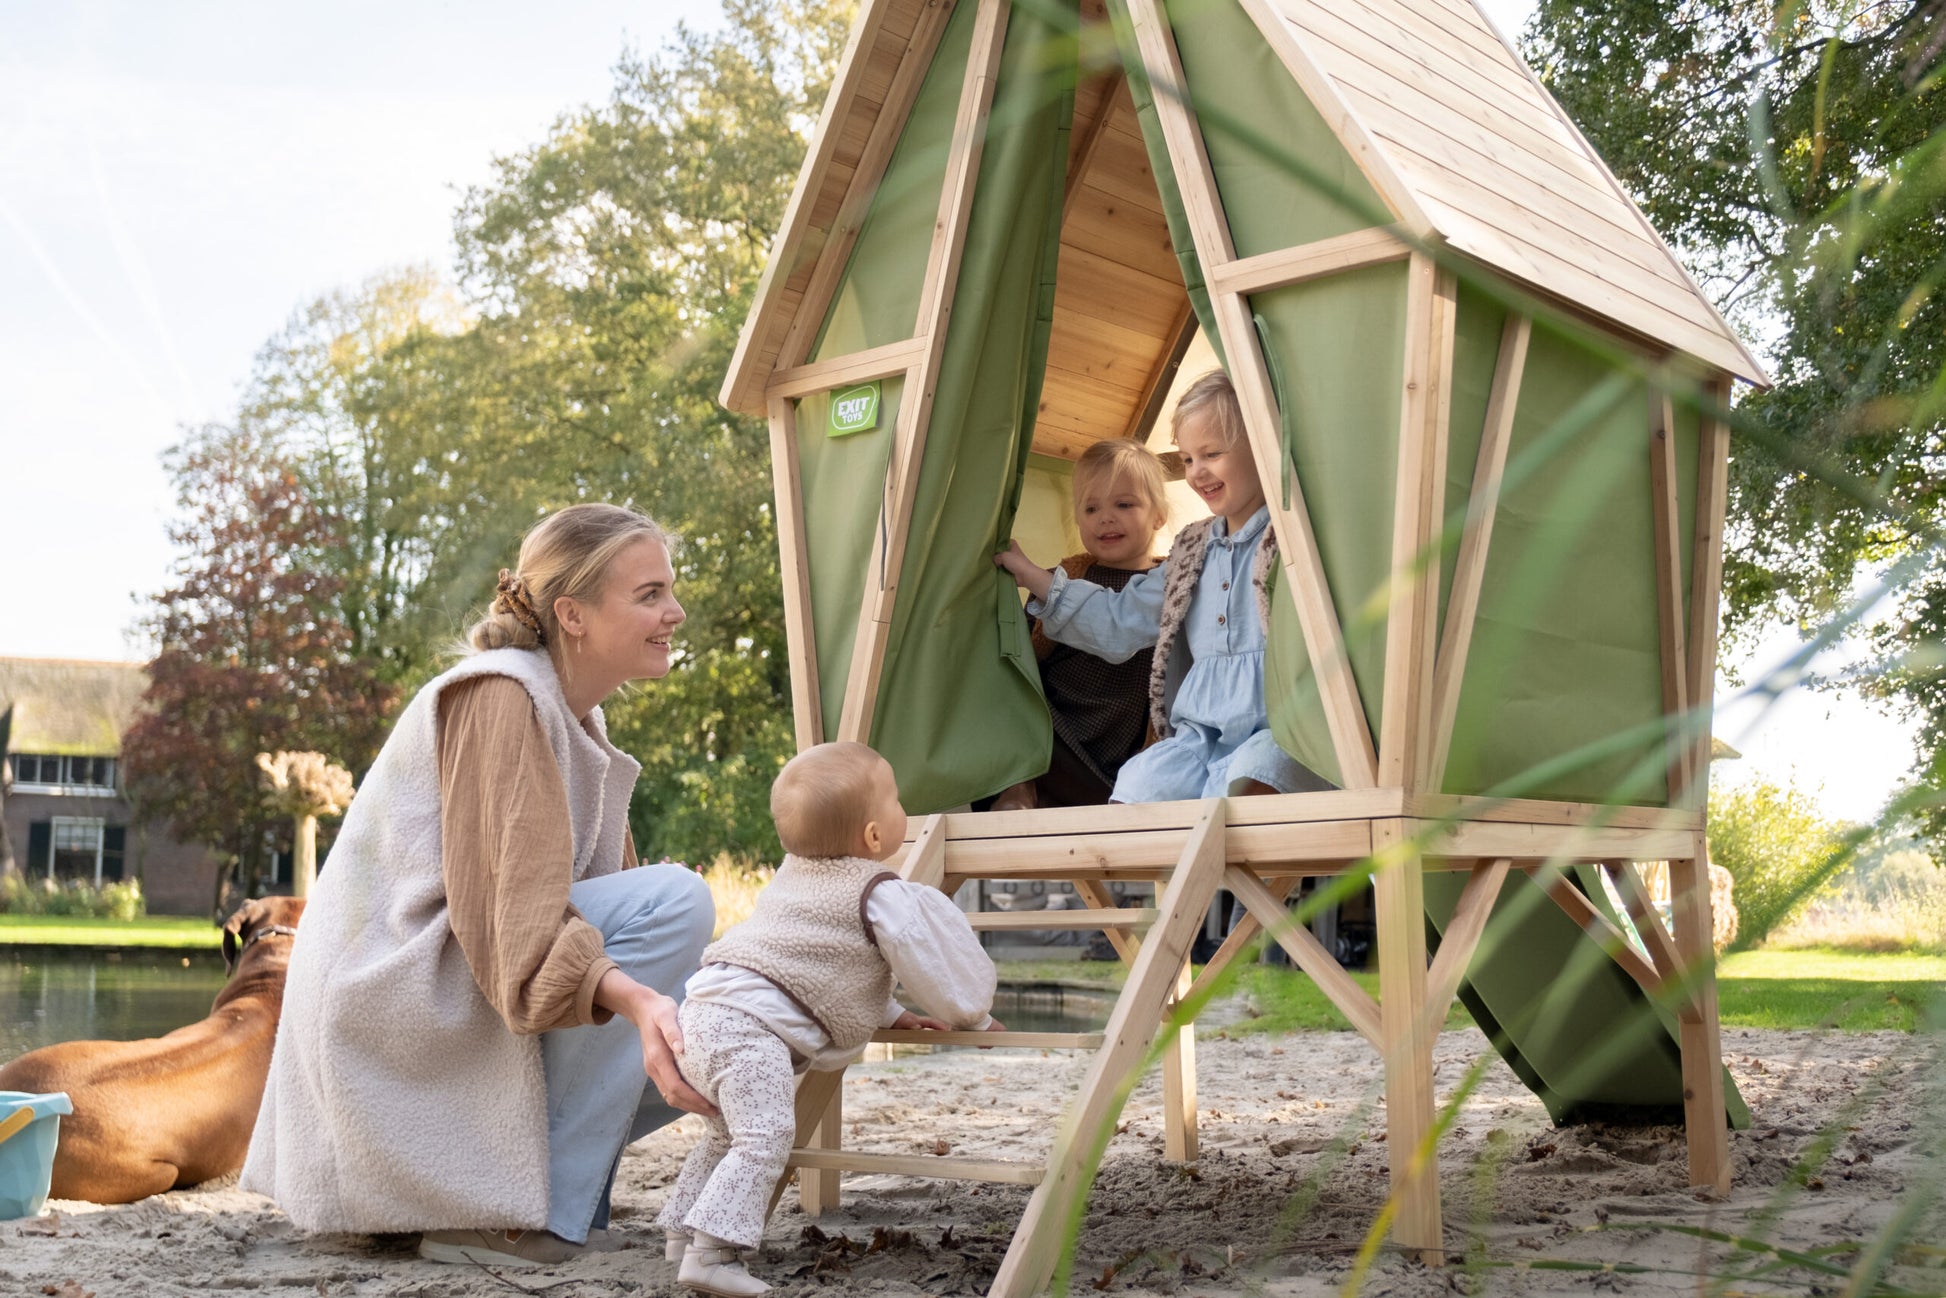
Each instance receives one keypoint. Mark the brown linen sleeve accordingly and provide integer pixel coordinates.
(505, 850)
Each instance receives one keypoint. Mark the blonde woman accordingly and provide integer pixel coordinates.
(485, 980)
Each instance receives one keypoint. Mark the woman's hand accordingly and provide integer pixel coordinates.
(654, 1017)
(1035, 579)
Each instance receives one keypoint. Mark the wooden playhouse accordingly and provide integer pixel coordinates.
(1487, 405)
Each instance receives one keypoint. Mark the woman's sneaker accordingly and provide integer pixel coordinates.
(714, 1266)
(519, 1248)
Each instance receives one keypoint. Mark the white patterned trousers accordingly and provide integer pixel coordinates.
(745, 1070)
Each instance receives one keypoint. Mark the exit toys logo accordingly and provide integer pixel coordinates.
(854, 410)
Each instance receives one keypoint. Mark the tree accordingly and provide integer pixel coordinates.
(252, 654)
(1793, 154)
(1780, 849)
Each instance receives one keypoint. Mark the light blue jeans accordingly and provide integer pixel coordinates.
(655, 921)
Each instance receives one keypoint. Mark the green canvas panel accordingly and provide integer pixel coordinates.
(1044, 521)
(1478, 321)
(960, 713)
(1566, 1018)
(1565, 653)
(877, 300)
(1336, 349)
(839, 478)
(1297, 720)
(1236, 80)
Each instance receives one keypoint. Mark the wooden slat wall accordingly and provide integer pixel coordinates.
(1500, 174)
(1118, 295)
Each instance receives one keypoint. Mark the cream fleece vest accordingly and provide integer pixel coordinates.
(397, 1099)
(808, 934)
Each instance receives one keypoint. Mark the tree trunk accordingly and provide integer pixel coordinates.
(304, 866)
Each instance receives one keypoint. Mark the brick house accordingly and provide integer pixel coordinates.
(64, 812)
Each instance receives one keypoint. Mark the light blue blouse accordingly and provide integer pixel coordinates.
(1222, 725)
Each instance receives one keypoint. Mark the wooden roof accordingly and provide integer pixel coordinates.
(1462, 136)
(1454, 132)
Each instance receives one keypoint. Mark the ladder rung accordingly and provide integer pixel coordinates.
(1023, 1040)
(957, 1169)
(1125, 917)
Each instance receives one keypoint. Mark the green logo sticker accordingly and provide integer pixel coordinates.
(854, 410)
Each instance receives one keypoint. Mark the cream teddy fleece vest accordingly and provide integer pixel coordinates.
(398, 1100)
(808, 934)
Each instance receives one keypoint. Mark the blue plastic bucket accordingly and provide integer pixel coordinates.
(27, 1157)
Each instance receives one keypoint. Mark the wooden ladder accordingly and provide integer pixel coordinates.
(1155, 942)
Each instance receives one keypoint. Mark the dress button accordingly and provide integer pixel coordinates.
(1219, 619)
(1226, 585)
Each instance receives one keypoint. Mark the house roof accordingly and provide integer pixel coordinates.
(68, 707)
(1469, 147)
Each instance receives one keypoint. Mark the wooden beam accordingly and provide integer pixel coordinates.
(1706, 577)
(1575, 904)
(1705, 1118)
(1155, 388)
(1527, 843)
(887, 129)
(797, 233)
(1246, 928)
(1470, 563)
(1434, 806)
(1400, 899)
(890, 361)
(1104, 856)
(1126, 944)
(1655, 938)
(925, 860)
(1180, 1141)
(1007, 921)
(1308, 261)
(1412, 602)
(794, 570)
(820, 1126)
(957, 1169)
(1132, 1026)
(1084, 156)
(1353, 1001)
(989, 1040)
(1265, 809)
(1296, 543)
(1667, 522)
(915, 409)
(1461, 940)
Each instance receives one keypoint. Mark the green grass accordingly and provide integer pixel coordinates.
(70, 930)
(1850, 991)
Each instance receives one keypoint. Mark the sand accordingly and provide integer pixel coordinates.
(1292, 1174)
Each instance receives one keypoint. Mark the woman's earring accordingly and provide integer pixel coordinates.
(577, 644)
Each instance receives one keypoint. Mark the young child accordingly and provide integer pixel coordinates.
(804, 983)
(1203, 611)
(1099, 708)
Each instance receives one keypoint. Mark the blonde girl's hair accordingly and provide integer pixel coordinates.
(1122, 464)
(822, 798)
(566, 553)
(1211, 396)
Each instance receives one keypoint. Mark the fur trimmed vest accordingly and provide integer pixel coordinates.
(1178, 591)
(809, 935)
(397, 1099)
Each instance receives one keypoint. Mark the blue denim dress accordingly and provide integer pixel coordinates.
(1222, 724)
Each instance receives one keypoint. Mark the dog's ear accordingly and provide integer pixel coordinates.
(233, 929)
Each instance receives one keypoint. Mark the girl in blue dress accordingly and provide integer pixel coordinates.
(1203, 611)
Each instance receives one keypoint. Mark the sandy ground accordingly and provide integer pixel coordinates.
(1293, 1172)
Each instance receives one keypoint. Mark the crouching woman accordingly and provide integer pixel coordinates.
(485, 980)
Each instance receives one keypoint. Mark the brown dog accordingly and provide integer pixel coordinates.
(152, 1115)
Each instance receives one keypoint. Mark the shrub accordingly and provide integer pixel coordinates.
(119, 901)
(1778, 846)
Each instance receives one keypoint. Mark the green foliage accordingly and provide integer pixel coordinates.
(72, 899)
(1779, 848)
(1794, 155)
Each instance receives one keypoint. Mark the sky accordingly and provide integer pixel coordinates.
(176, 180)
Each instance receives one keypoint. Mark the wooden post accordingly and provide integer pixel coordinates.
(304, 865)
(1668, 602)
(1705, 1118)
(1180, 1143)
(1132, 1026)
(794, 567)
(1401, 901)
(1706, 578)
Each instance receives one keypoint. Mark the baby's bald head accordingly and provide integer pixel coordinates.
(823, 798)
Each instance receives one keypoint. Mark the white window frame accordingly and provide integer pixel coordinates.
(64, 783)
(73, 824)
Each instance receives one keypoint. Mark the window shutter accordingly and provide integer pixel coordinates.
(40, 847)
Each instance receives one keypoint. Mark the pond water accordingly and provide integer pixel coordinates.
(50, 998)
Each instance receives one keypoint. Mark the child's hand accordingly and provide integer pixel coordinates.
(1025, 572)
(993, 1025)
(909, 1022)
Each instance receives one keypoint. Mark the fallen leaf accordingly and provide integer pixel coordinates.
(942, 1147)
(67, 1289)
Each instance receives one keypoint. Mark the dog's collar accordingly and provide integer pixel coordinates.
(268, 930)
